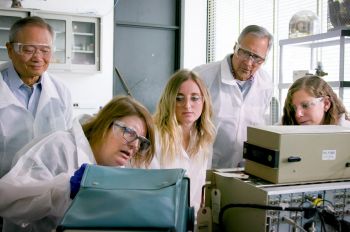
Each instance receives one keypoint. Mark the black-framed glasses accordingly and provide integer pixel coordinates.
(245, 54)
(30, 49)
(130, 135)
(194, 98)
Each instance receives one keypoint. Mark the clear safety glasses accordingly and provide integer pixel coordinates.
(306, 105)
(130, 135)
(30, 49)
(245, 54)
(194, 99)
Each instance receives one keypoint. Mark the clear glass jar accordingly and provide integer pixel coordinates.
(304, 23)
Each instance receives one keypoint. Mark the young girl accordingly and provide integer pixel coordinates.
(311, 101)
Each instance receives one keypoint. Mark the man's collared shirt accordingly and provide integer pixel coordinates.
(28, 96)
(244, 86)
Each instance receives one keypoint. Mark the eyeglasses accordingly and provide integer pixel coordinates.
(130, 135)
(31, 49)
(181, 99)
(307, 104)
(245, 54)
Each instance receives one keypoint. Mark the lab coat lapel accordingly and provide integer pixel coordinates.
(227, 79)
(226, 74)
(84, 152)
(6, 96)
(48, 91)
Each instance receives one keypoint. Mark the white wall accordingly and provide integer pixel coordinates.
(89, 90)
(194, 33)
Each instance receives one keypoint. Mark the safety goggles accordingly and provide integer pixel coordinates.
(306, 105)
(245, 54)
(130, 135)
(30, 49)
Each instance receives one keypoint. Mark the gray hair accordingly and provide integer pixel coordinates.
(257, 31)
(29, 21)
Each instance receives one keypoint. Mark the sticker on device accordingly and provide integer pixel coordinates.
(329, 154)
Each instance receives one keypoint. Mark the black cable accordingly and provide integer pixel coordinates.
(322, 221)
(331, 219)
(326, 216)
(256, 206)
(339, 225)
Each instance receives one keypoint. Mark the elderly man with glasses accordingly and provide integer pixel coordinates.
(241, 93)
(32, 102)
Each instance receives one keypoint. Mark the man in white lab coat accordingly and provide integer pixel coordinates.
(32, 102)
(241, 93)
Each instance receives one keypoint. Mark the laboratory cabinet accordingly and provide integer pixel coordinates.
(77, 38)
(7, 18)
(331, 50)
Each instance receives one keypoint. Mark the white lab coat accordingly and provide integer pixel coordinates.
(343, 122)
(233, 113)
(36, 190)
(17, 124)
(195, 169)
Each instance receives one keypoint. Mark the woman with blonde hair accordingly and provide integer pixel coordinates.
(184, 129)
(311, 101)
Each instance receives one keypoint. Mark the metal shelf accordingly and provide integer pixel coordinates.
(83, 34)
(335, 84)
(317, 40)
(83, 51)
(312, 43)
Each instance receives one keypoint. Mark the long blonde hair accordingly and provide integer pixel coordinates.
(170, 132)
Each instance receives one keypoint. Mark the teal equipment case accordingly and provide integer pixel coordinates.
(122, 199)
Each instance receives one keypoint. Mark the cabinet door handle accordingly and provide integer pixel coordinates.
(293, 159)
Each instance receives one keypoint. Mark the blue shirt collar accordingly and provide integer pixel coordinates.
(13, 80)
